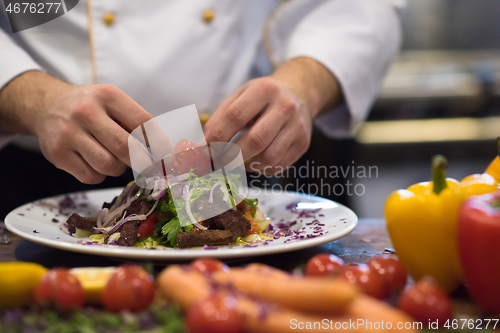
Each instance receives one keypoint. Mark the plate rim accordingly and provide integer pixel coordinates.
(181, 254)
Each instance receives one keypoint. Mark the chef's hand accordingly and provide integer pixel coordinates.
(278, 109)
(82, 129)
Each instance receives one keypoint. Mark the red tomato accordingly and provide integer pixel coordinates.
(391, 271)
(189, 156)
(148, 226)
(323, 264)
(242, 207)
(209, 265)
(215, 314)
(254, 227)
(61, 288)
(425, 301)
(129, 288)
(366, 279)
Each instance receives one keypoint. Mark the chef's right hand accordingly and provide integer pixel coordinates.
(82, 129)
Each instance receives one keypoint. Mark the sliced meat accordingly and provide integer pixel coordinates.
(140, 207)
(205, 237)
(76, 221)
(128, 234)
(109, 204)
(207, 209)
(233, 221)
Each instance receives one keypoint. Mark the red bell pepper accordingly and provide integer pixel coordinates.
(479, 248)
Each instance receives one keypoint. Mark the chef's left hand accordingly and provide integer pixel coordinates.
(278, 111)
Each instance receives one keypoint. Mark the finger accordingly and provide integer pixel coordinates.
(122, 108)
(274, 153)
(262, 133)
(222, 106)
(291, 156)
(112, 136)
(74, 164)
(237, 115)
(98, 157)
(134, 119)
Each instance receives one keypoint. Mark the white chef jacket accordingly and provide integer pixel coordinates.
(166, 54)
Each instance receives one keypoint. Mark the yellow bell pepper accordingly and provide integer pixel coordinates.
(494, 167)
(422, 222)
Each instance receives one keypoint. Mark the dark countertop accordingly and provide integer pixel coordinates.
(369, 239)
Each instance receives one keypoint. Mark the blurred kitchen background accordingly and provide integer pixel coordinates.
(441, 96)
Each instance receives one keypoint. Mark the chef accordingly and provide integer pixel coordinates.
(82, 82)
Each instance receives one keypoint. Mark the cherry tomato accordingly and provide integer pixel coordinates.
(242, 207)
(391, 271)
(323, 264)
(129, 288)
(365, 278)
(209, 265)
(254, 227)
(425, 301)
(60, 288)
(189, 156)
(148, 226)
(215, 314)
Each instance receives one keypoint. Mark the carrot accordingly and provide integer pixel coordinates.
(300, 293)
(186, 287)
(183, 286)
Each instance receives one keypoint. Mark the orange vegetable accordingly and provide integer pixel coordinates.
(494, 168)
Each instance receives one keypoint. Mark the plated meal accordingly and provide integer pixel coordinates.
(148, 217)
(298, 221)
(184, 210)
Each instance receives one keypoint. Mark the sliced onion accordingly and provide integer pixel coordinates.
(211, 197)
(159, 190)
(119, 210)
(132, 190)
(124, 219)
(153, 208)
(123, 197)
(187, 195)
(223, 189)
(159, 194)
(100, 216)
(129, 218)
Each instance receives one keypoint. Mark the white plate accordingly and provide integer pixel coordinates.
(40, 222)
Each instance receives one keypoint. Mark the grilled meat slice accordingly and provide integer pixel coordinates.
(128, 234)
(204, 237)
(207, 209)
(233, 221)
(76, 221)
(139, 206)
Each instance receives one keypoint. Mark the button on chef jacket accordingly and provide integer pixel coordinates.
(167, 54)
